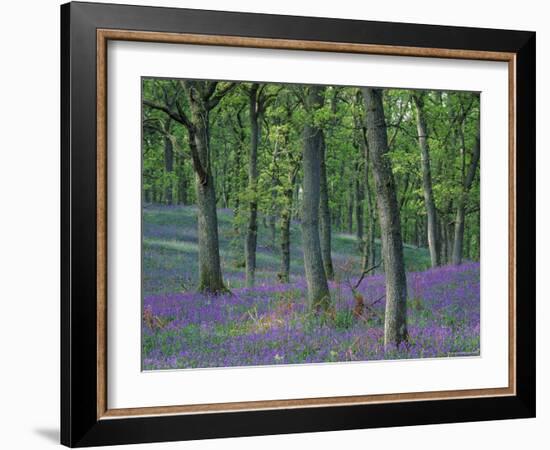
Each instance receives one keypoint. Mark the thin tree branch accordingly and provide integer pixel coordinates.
(365, 272)
(177, 116)
(216, 98)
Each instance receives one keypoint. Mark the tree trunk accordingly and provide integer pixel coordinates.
(427, 179)
(324, 217)
(272, 219)
(359, 198)
(404, 228)
(467, 242)
(395, 322)
(286, 213)
(443, 239)
(297, 201)
(181, 181)
(371, 251)
(424, 233)
(252, 228)
(350, 208)
(369, 258)
(371, 230)
(450, 241)
(459, 234)
(168, 168)
(284, 272)
(460, 210)
(369, 245)
(210, 274)
(318, 292)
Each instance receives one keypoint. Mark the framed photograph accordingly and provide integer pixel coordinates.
(278, 224)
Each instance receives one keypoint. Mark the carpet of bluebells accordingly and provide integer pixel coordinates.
(270, 323)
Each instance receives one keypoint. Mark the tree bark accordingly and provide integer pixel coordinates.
(286, 214)
(168, 168)
(318, 292)
(272, 219)
(252, 228)
(350, 207)
(443, 239)
(395, 321)
(181, 190)
(284, 271)
(461, 207)
(324, 216)
(210, 274)
(427, 179)
(369, 250)
(467, 241)
(359, 198)
(450, 241)
(370, 243)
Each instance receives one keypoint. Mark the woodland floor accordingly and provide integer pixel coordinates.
(270, 323)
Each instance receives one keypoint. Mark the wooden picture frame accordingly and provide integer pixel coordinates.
(86, 418)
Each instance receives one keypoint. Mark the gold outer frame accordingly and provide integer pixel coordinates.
(103, 36)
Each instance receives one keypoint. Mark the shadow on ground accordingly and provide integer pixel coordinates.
(49, 434)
